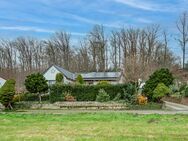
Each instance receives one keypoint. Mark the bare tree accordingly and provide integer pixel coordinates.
(61, 40)
(98, 45)
(182, 26)
(115, 50)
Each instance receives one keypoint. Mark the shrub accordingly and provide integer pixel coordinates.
(118, 97)
(129, 98)
(30, 97)
(18, 97)
(173, 88)
(103, 83)
(160, 91)
(182, 89)
(36, 83)
(88, 92)
(59, 78)
(160, 76)
(186, 92)
(69, 97)
(79, 79)
(7, 93)
(102, 96)
(142, 100)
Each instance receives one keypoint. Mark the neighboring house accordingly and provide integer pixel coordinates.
(90, 77)
(2, 82)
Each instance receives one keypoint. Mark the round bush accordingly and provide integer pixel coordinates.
(160, 76)
(102, 96)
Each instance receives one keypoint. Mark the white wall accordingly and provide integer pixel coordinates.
(2, 82)
(50, 75)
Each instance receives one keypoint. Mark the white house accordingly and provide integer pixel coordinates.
(89, 77)
(2, 82)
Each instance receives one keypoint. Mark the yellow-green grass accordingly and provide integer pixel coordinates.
(108, 126)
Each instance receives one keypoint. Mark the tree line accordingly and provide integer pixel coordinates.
(137, 52)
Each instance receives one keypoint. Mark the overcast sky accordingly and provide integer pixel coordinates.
(41, 18)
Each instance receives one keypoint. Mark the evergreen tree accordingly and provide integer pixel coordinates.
(7, 93)
(36, 83)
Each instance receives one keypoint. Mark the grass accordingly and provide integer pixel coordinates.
(109, 126)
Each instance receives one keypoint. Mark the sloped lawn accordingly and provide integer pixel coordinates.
(108, 126)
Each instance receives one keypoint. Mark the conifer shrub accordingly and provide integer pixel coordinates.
(160, 91)
(7, 93)
(102, 96)
(79, 79)
(160, 76)
(59, 78)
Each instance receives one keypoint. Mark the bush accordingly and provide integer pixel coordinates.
(118, 97)
(142, 100)
(186, 92)
(88, 92)
(182, 89)
(36, 83)
(79, 79)
(130, 94)
(59, 78)
(160, 76)
(103, 83)
(7, 93)
(102, 96)
(173, 88)
(160, 91)
(129, 98)
(69, 97)
(30, 97)
(18, 97)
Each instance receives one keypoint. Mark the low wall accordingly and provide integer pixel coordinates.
(71, 105)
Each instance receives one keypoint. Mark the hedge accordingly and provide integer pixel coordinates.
(30, 97)
(35, 97)
(88, 92)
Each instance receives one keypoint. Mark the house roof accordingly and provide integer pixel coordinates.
(90, 75)
(101, 75)
(2, 78)
(65, 72)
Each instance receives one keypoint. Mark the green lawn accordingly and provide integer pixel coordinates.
(102, 126)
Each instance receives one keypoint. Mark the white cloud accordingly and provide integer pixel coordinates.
(91, 21)
(144, 5)
(26, 28)
(35, 29)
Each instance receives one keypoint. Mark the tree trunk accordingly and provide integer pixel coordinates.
(40, 100)
(10, 106)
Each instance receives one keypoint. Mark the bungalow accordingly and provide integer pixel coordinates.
(2, 82)
(90, 77)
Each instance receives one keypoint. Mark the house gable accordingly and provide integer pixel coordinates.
(50, 75)
(2, 82)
